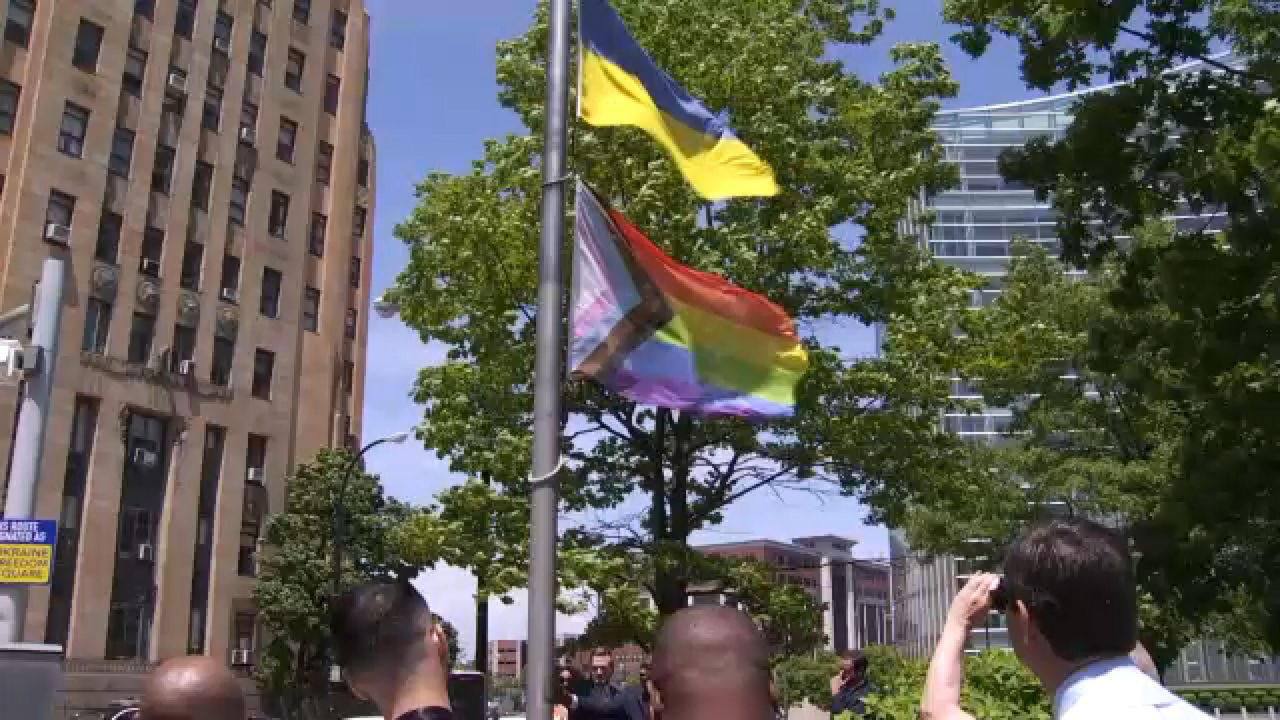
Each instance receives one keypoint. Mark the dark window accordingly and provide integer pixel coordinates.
(192, 261)
(185, 21)
(288, 137)
(279, 218)
(269, 303)
(17, 28)
(202, 186)
(141, 333)
(60, 209)
(121, 152)
(184, 347)
(358, 219)
(222, 25)
(362, 171)
(135, 69)
(9, 93)
(311, 310)
(338, 30)
(257, 52)
(249, 116)
(230, 275)
(255, 456)
(351, 324)
(152, 250)
(127, 629)
(319, 223)
(211, 116)
(145, 8)
(355, 272)
(107, 248)
(264, 365)
(239, 199)
(224, 352)
(332, 88)
(75, 123)
(324, 163)
(88, 45)
(97, 321)
(348, 376)
(162, 171)
(302, 10)
(293, 70)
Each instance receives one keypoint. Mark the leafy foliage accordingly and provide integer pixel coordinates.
(805, 678)
(996, 687)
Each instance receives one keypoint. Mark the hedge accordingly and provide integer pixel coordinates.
(1233, 698)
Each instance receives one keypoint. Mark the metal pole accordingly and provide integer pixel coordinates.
(547, 374)
(28, 440)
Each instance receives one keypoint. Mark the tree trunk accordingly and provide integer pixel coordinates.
(669, 515)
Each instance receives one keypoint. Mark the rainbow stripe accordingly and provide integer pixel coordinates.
(660, 333)
(621, 85)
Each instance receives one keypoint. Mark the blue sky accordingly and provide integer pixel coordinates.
(432, 102)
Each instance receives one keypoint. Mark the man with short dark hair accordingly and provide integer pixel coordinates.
(1072, 605)
(391, 651)
(711, 662)
(849, 688)
(192, 688)
(605, 701)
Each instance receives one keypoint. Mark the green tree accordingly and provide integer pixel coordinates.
(847, 151)
(451, 634)
(800, 679)
(296, 577)
(1191, 315)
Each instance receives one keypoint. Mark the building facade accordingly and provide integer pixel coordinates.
(506, 658)
(973, 227)
(205, 171)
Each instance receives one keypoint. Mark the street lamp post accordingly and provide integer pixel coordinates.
(340, 499)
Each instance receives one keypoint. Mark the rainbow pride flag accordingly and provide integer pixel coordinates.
(660, 333)
(621, 85)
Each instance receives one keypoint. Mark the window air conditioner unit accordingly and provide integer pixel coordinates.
(177, 83)
(247, 135)
(145, 457)
(241, 657)
(230, 294)
(150, 267)
(146, 552)
(255, 475)
(187, 367)
(222, 45)
(55, 233)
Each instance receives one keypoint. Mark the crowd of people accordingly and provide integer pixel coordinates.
(1067, 588)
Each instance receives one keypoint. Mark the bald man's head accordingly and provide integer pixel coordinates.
(192, 688)
(712, 662)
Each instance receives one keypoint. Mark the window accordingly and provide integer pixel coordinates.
(351, 324)
(264, 363)
(202, 186)
(293, 70)
(362, 171)
(239, 199)
(358, 219)
(162, 171)
(9, 93)
(17, 28)
(152, 250)
(302, 10)
(230, 275)
(121, 153)
(332, 87)
(185, 21)
(107, 248)
(127, 635)
(279, 218)
(184, 347)
(222, 25)
(269, 303)
(75, 123)
(224, 351)
(145, 8)
(285, 142)
(88, 45)
(97, 320)
(257, 52)
(319, 222)
(311, 310)
(135, 69)
(355, 272)
(192, 261)
(255, 457)
(338, 30)
(141, 333)
(60, 208)
(324, 163)
(136, 528)
(211, 115)
(348, 376)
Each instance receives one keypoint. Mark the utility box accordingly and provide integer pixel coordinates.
(31, 680)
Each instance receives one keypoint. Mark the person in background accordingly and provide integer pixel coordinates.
(850, 687)
(711, 663)
(605, 701)
(566, 680)
(644, 692)
(392, 652)
(1072, 605)
(192, 688)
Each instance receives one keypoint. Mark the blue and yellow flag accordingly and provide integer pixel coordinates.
(621, 85)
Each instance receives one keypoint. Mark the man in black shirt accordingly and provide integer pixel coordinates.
(605, 701)
(391, 651)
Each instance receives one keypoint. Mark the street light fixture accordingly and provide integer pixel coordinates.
(340, 500)
(385, 308)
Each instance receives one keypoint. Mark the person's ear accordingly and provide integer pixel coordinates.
(437, 639)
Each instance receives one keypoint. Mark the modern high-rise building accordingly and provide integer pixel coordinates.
(974, 226)
(205, 172)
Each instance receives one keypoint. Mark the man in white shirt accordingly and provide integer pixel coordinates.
(1069, 592)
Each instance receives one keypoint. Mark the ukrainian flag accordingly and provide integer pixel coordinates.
(621, 85)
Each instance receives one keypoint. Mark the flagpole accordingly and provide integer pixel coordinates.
(547, 375)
